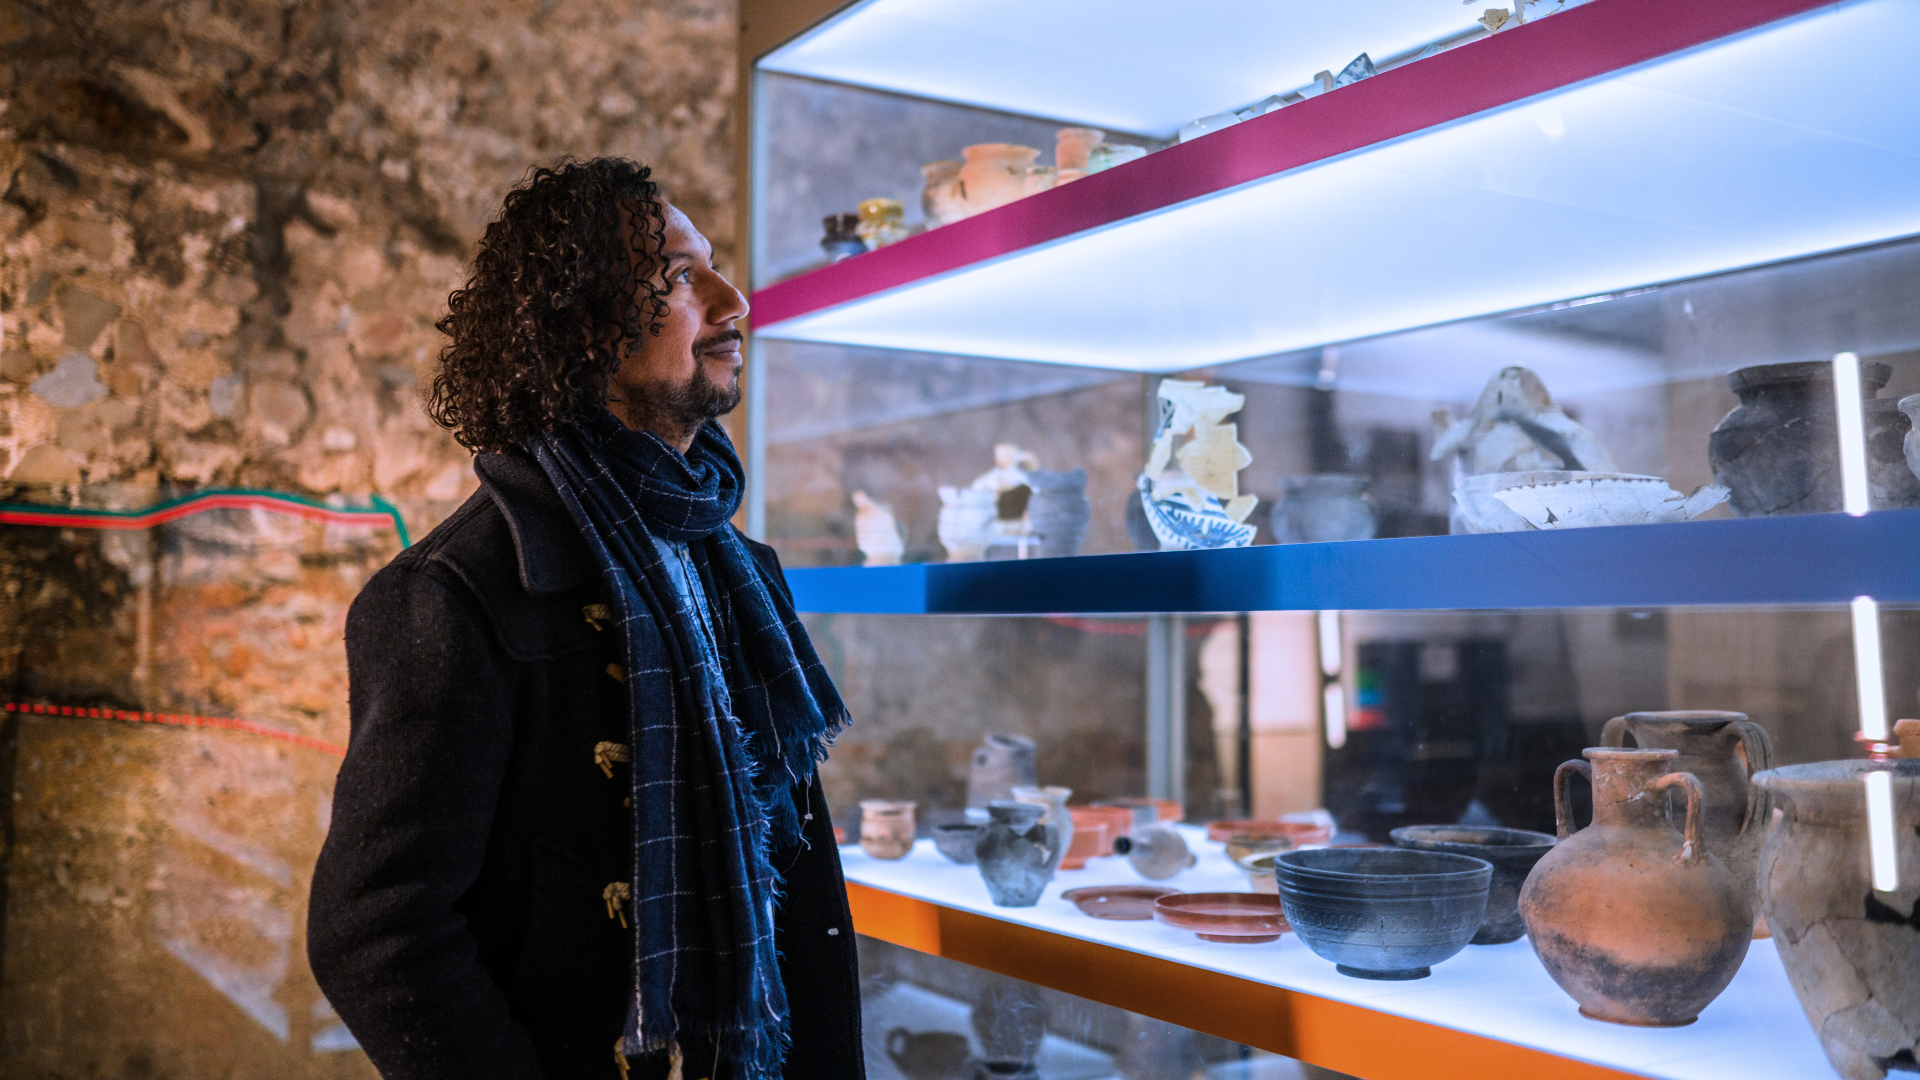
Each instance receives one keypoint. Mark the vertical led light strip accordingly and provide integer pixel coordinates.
(1885, 856)
(1853, 437)
(1866, 668)
(1333, 696)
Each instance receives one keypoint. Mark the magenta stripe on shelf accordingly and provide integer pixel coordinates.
(1589, 41)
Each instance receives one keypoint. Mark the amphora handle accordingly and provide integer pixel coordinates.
(1614, 734)
(1691, 849)
(1757, 746)
(1563, 800)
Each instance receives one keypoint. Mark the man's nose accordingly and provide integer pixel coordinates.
(728, 303)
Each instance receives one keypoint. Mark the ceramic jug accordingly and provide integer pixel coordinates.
(1000, 764)
(1057, 817)
(1156, 852)
(880, 223)
(1852, 951)
(994, 175)
(1722, 750)
(965, 515)
(886, 828)
(1016, 853)
(1778, 452)
(1639, 923)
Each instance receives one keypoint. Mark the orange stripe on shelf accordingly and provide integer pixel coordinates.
(1321, 1031)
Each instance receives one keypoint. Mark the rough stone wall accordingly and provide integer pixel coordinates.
(226, 229)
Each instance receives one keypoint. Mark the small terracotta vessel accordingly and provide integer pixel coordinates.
(1092, 836)
(1016, 853)
(1722, 750)
(886, 828)
(1852, 952)
(1057, 816)
(1259, 871)
(994, 175)
(1072, 145)
(1234, 918)
(1156, 852)
(1639, 923)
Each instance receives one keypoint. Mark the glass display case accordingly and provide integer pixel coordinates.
(1309, 447)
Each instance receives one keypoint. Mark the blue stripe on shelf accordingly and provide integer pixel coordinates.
(1811, 559)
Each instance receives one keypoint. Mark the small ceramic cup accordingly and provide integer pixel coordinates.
(886, 828)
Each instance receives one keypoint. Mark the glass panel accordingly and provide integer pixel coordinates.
(929, 1018)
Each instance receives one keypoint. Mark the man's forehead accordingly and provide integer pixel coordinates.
(683, 239)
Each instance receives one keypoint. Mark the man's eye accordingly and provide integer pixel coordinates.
(685, 276)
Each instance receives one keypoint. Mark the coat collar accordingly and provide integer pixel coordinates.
(552, 556)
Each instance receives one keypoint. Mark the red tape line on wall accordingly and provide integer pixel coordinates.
(178, 720)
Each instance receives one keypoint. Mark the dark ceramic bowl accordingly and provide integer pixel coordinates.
(1512, 853)
(1383, 913)
(955, 840)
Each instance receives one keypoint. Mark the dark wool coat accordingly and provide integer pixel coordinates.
(458, 922)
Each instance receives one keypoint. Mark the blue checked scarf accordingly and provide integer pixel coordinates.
(717, 754)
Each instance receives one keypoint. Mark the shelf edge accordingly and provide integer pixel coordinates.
(1332, 1034)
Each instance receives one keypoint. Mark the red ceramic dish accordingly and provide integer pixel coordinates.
(1300, 832)
(1116, 901)
(1230, 917)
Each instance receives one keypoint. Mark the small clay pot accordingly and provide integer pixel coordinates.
(1259, 871)
(1511, 852)
(1016, 853)
(956, 839)
(1637, 922)
(886, 828)
(1091, 837)
(994, 175)
(1156, 852)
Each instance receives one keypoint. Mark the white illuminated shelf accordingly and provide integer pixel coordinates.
(1140, 67)
(1754, 1030)
(1620, 144)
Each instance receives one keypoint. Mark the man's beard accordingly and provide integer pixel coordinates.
(682, 407)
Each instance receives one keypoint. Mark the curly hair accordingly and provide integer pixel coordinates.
(565, 278)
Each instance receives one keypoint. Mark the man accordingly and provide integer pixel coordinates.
(578, 832)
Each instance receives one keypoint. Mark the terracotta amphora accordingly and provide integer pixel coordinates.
(1852, 951)
(1722, 750)
(1639, 923)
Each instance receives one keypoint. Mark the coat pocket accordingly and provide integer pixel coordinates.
(573, 976)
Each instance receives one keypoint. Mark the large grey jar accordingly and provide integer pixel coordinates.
(1852, 951)
(1779, 451)
(1016, 853)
